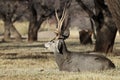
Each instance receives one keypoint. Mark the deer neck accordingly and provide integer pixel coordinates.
(61, 57)
(64, 50)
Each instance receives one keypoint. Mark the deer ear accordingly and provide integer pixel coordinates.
(60, 47)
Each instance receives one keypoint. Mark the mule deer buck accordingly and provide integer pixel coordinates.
(75, 61)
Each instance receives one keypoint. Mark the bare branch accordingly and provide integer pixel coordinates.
(90, 13)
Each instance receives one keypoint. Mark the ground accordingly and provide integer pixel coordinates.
(31, 61)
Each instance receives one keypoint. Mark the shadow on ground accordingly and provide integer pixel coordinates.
(13, 56)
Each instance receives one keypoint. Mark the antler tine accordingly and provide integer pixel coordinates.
(63, 14)
(63, 17)
(56, 14)
(60, 22)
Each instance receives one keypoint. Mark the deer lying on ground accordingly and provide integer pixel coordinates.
(75, 61)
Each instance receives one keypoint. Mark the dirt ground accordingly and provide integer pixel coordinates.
(31, 61)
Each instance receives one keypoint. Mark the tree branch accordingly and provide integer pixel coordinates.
(19, 16)
(90, 13)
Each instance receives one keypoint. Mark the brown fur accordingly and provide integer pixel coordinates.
(85, 37)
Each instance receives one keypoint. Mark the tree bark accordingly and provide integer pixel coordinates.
(114, 6)
(33, 30)
(106, 29)
(15, 33)
(10, 29)
(32, 33)
(7, 34)
(105, 39)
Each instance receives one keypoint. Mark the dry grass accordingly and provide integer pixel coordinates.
(31, 61)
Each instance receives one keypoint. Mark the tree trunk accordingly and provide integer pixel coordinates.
(106, 29)
(16, 34)
(33, 32)
(7, 34)
(105, 39)
(33, 25)
(9, 28)
(114, 6)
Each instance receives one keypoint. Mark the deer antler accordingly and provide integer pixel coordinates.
(60, 22)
